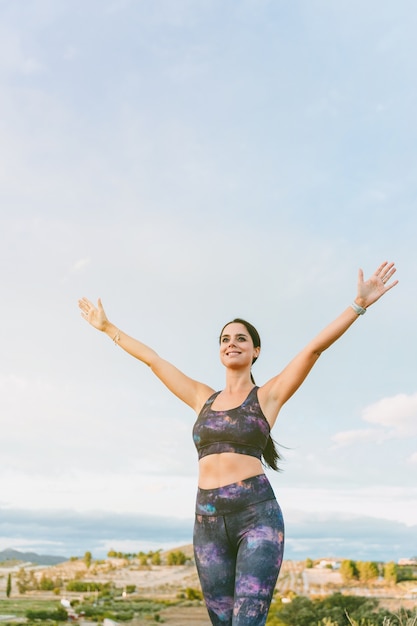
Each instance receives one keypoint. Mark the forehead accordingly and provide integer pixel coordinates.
(235, 328)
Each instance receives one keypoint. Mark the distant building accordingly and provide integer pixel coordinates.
(329, 564)
(411, 561)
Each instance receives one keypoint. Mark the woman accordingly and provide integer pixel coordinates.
(239, 531)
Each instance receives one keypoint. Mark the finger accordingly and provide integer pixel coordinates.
(388, 267)
(86, 306)
(360, 275)
(391, 285)
(388, 273)
(81, 305)
(381, 267)
(85, 302)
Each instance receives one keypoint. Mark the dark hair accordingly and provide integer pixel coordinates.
(270, 454)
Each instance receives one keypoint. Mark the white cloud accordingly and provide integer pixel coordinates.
(397, 413)
(395, 503)
(347, 535)
(128, 492)
(367, 435)
(66, 532)
(396, 416)
(314, 534)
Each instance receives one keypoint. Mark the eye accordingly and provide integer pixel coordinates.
(224, 339)
(241, 338)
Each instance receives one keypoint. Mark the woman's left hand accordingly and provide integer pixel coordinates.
(377, 285)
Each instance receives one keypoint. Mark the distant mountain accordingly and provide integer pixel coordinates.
(30, 557)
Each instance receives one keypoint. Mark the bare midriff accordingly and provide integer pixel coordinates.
(218, 470)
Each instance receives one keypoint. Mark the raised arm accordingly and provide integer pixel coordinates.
(186, 389)
(280, 388)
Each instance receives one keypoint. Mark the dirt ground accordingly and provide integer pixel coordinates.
(172, 616)
(180, 616)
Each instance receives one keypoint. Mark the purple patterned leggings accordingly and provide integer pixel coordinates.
(238, 548)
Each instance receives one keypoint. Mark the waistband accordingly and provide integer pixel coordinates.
(234, 497)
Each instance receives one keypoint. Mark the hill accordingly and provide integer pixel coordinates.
(30, 557)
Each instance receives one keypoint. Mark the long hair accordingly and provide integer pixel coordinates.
(270, 455)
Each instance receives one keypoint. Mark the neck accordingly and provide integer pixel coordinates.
(238, 382)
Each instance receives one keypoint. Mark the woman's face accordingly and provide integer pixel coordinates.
(236, 346)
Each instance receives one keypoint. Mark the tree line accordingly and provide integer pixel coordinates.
(174, 557)
(366, 571)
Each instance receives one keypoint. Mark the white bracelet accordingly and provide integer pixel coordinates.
(359, 310)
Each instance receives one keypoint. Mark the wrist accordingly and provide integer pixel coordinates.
(109, 329)
(358, 305)
(360, 301)
(113, 332)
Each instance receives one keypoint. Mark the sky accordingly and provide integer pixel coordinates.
(191, 161)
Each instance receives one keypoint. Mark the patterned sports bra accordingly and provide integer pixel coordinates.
(243, 430)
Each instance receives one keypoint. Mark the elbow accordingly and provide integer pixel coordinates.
(155, 363)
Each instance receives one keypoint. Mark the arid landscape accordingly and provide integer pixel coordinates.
(177, 587)
(155, 582)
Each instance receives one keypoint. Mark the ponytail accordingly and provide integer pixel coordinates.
(271, 456)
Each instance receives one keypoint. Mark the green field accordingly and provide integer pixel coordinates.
(19, 606)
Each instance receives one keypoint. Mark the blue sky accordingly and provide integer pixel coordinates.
(189, 162)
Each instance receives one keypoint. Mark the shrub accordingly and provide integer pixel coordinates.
(193, 594)
(156, 558)
(176, 558)
(305, 612)
(405, 573)
(124, 616)
(59, 614)
(83, 585)
(46, 584)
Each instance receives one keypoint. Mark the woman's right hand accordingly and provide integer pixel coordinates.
(94, 315)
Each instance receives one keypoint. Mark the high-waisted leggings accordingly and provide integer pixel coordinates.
(238, 548)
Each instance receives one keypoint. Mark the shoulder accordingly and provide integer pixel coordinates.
(206, 398)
